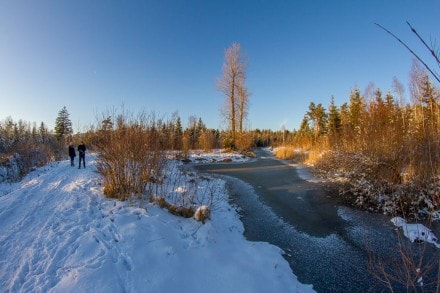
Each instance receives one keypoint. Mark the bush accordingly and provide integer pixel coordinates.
(23, 147)
(130, 157)
(182, 192)
(377, 185)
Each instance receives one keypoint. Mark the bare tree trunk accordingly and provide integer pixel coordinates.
(232, 105)
(243, 97)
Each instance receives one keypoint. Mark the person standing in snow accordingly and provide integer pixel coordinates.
(72, 154)
(82, 154)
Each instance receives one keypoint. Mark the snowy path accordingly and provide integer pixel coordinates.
(59, 234)
(50, 219)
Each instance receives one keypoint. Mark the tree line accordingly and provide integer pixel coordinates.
(23, 146)
(388, 149)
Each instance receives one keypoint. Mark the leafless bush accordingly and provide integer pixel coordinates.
(207, 140)
(244, 141)
(182, 191)
(130, 156)
(411, 268)
(185, 145)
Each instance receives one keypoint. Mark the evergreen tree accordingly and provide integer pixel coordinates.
(107, 124)
(318, 116)
(63, 125)
(356, 111)
(44, 133)
(304, 134)
(200, 126)
(356, 108)
(334, 122)
(178, 133)
(304, 129)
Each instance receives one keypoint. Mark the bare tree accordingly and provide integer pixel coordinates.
(399, 90)
(232, 84)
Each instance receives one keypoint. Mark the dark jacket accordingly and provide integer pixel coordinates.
(82, 149)
(72, 152)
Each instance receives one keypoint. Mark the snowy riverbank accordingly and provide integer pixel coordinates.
(60, 234)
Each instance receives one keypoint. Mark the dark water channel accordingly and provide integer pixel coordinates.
(324, 241)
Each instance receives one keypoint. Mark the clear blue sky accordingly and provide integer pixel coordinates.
(165, 56)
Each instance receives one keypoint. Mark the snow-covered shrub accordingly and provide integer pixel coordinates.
(23, 147)
(370, 184)
(183, 191)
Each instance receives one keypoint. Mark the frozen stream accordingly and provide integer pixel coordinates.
(325, 242)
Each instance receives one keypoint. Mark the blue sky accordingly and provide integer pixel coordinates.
(165, 56)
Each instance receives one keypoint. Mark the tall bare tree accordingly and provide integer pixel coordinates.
(232, 84)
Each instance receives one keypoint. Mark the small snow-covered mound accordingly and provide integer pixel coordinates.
(202, 213)
(416, 232)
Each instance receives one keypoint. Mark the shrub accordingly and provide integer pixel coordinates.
(377, 185)
(23, 147)
(182, 192)
(130, 157)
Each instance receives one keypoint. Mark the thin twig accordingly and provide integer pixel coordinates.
(424, 43)
(412, 52)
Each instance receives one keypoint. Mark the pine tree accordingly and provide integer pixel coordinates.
(107, 124)
(356, 111)
(318, 116)
(334, 123)
(178, 133)
(43, 132)
(200, 126)
(63, 125)
(304, 134)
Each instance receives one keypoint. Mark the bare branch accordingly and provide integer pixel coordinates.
(412, 52)
(433, 53)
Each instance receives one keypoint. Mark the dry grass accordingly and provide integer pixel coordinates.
(290, 153)
(178, 210)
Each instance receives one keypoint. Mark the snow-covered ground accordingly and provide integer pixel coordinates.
(58, 233)
(216, 156)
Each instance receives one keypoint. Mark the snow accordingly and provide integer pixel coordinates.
(416, 232)
(305, 173)
(58, 233)
(216, 156)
